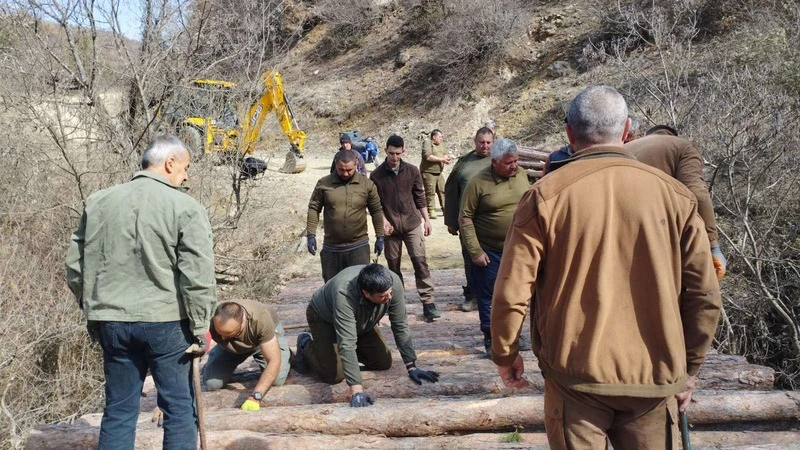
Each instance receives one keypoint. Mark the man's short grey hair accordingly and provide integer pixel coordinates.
(503, 147)
(162, 148)
(598, 115)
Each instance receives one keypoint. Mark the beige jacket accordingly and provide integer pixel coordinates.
(627, 301)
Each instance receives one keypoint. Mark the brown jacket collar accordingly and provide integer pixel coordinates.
(595, 151)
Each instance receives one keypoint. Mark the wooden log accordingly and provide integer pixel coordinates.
(535, 173)
(434, 416)
(533, 154)
(538, 165)
(56, 437)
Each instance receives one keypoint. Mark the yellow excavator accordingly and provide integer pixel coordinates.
(211, 126)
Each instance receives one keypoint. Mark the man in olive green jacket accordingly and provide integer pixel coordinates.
(465, 168)
(343, 317)
(434, 158)
(141, 266)
(344, 197)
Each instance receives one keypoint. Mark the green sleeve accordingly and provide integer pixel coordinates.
(74, 262)
(399, 321)
(344, 321)
(375, 208)
(469, 208)
(196, 266)
(452, 193)
(314, 208)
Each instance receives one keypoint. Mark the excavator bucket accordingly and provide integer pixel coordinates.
(295, 163)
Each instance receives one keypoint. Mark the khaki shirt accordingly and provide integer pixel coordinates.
(340, 303)
(626, 296)
(143, 253)
(465, 168)
(681, 160)
(431, 149)
(490, 201)
(345, 206)
(259, 329)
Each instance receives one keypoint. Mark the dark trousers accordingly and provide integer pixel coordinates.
(322, 353)
(334, 262)
(580, 421)
(129, 349)
(483, 279)
(469, 289)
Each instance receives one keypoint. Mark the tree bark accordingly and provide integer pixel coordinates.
(430, 416)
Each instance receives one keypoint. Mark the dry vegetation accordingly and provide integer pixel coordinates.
(79, 104)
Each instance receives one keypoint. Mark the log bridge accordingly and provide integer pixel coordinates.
(736, 405)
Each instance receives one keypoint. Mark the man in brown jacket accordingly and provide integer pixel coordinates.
(680, 159)
(406, 220)
(626, 299)
(345, 197)
(434, 158)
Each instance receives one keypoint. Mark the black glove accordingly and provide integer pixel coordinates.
(311, 243)
(417, 375)
(361, 399)
(93, 327)
(200, 345)
(379, 245)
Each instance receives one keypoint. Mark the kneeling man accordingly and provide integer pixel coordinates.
(343, 317)
(242, 328)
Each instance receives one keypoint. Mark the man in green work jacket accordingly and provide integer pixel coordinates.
(345, 196)
(434, 158)
(466, 167)
(487, 206)
(141, 266)
(343, 317)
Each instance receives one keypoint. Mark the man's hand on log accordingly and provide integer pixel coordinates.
(417, 375)
(512, 375)
(361, 399)
(685, 397)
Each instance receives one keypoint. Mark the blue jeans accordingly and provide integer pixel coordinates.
(129, 349)
(483, 279)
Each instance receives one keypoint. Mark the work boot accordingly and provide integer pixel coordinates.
(430, 312)
(299, 364)
(469, 305)
(487, 344)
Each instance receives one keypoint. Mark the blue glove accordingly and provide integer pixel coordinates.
(361, 399)
(311, 243)
(379, 245)
(417, 375)
(720, 263)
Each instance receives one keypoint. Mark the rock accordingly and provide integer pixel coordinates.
(558, 69)
(401, 59)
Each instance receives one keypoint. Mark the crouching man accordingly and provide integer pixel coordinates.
(242, 328)
(343, 317)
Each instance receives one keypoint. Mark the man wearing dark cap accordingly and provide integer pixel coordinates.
(347, 146)
(405, 219)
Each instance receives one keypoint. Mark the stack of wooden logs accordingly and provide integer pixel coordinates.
(532, 159)
(468, 408)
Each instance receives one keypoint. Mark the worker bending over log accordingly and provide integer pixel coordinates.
(242, 328)
(343, 317)
(626, 298)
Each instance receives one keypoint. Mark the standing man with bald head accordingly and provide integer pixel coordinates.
(465, 168)
(141, 266)
(626, 301)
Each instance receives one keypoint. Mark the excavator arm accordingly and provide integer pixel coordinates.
(274, 99)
